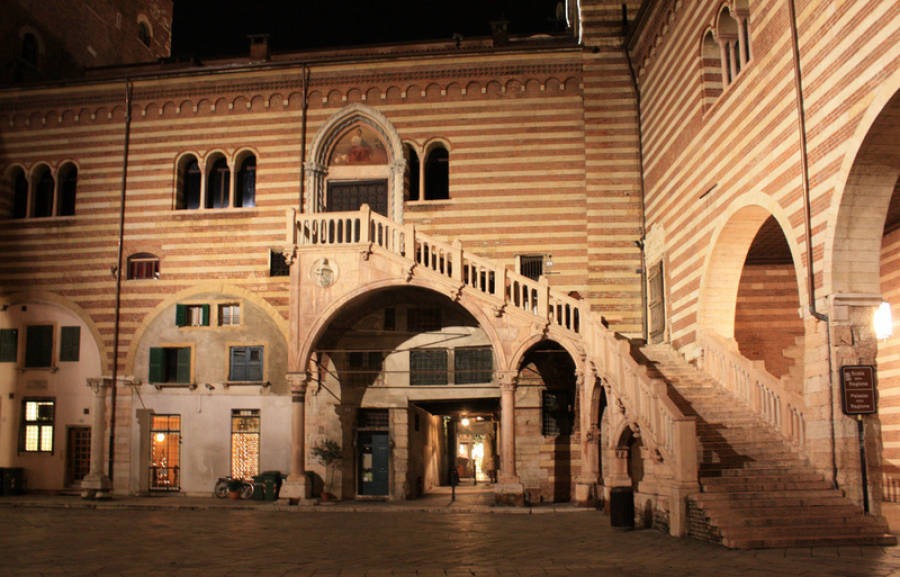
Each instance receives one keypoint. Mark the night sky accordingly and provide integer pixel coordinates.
(207, 28)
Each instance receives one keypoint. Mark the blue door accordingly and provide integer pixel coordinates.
(374, 453)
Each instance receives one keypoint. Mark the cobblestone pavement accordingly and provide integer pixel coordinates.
(295, 542)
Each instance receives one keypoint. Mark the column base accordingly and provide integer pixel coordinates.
(585, 494)
(296, 488)
(96, 487)
(509, 492)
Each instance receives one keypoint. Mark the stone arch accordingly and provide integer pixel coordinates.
(327, 316)
(327, 136)
(724, 264)
(25, 297)
(522, 348)
(866, 183)
(206, 287)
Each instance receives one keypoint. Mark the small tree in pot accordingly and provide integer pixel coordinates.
(328, 453)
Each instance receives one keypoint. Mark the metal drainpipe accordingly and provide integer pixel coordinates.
(807, 217)
(303, 134)
(626, 40)
(118, 297)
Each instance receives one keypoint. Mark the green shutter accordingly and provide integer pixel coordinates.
(69, 344)
(180, 315)
(39, 346)
(184, 365)
(204, 317)
(9, 345)
(157, 358)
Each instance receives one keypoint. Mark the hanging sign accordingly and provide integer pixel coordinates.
(858, 389)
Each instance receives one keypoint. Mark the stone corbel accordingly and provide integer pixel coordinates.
(542, 328)
(620, 405)
(290, 254)
(657, 456)
(410, 272)
(366, 252)
(456, 293)
(635, 430)
(498, 310)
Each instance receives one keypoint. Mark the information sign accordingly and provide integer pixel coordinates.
(858, 389)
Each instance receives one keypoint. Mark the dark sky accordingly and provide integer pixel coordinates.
(208, 28)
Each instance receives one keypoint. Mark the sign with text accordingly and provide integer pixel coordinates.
(858, 389)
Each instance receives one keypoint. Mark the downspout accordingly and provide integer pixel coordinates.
(303, 121)
(807, 217)
(626, 40)
(118, 297)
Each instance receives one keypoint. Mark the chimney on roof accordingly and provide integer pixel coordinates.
(259, 46)
(500, 31)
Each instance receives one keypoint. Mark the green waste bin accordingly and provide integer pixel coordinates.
(271, 484)
(259, 488)
(12, 481)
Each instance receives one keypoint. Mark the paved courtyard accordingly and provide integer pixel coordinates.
(225, 541)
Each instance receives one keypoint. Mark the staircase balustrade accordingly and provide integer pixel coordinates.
(765, 394)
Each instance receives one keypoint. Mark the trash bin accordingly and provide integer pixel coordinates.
(259, 488)
(271, 481)
(621, 507)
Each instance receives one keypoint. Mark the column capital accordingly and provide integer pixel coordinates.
(99, 384)
(507, 379)
(298, 383)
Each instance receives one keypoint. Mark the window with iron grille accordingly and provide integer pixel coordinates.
(246, 364)
(531, 265)
(372, 419)
(69, 344)
(423, 320)
(143, 265)
(557, 413)
(473, 365)
(278, 266)
(38, 419)
(244, 443)
(165, 453)
(39, 346)
(428, 367)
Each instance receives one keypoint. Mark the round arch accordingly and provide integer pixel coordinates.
(868, 175)
(187, 293)
(724, 264)
(327, 136)
(324, 320)
(524, 346)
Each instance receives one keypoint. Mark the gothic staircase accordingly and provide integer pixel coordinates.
(756, 491)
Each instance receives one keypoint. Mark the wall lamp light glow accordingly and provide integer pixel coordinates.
(884, 322)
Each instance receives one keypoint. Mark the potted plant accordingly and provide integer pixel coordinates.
(234, 488)
(328, 452)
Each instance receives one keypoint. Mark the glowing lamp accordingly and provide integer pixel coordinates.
(884, 322)
(464, 421)
(160, 437)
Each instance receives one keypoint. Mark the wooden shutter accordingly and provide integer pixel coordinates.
(180, 315)
(69, 344)
(157, 359)
(184, 365)
(9, 345)
(204, 315)
(255, 364)
(39, 346)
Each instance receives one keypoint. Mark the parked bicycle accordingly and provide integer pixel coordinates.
(226, 485)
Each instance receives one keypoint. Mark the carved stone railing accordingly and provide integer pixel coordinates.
(765, 394)
(365, 227)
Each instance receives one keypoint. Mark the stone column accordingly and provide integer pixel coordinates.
(96, 485)
(296, 487)
(508, 489)
(586, 478)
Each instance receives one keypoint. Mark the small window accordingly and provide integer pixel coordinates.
(39, 346)
(144, 34)
(143, 265)
(244, 443)
(246, 364)
(531, 265)
(428, 367)
(192, 315)
(473, 365)
(423, 320)
(278, 265)
(42, 202)
(656, 303)
(20, 194)
(437, 174)
(412, 172)
(245, 194)
(170, 365)
(69, 344)
(68, 181)
(36, 434)
(188, 193)
(229, 315)
(218, 181)
(9, 345)
(557, 414)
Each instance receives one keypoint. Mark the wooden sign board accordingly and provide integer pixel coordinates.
(858, 389)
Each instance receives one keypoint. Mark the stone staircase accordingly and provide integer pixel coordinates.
(756, 492)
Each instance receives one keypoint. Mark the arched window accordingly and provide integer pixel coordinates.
(188, 193)
(711, 70)
(218, 179)
(144, 33)
(42, 200)
(143, 265)
(30, 49)
(245, 193)
(412, 167)
(437, 173)
(68, 180)
(729, 47)
(20, 194)
(742, 13)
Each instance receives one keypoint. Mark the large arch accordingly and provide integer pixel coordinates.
(326, 137)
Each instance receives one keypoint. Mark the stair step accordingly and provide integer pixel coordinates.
(741, 484)
(836, 539)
